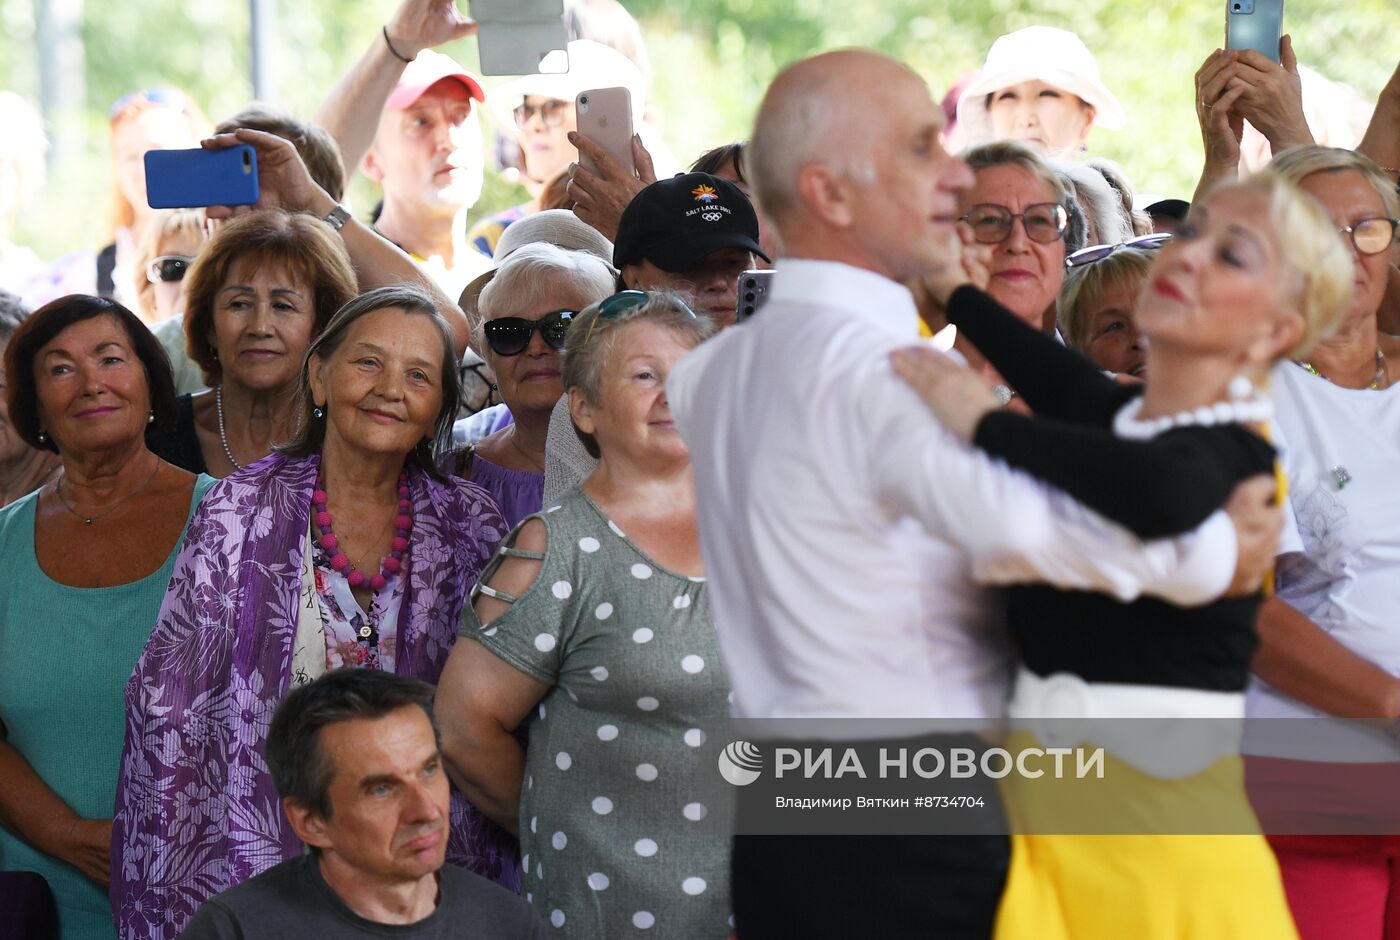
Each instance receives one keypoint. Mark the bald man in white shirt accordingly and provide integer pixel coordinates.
(844, 532)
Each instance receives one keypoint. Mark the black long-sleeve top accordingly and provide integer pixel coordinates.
(1165, 486)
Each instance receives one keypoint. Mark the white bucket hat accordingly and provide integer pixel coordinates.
(1037, 53)
(591, 65)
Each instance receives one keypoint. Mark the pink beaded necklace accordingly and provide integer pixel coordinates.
(390, 565)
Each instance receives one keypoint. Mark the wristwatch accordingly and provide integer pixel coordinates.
(337, 218)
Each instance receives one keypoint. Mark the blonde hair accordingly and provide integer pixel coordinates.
(166, 224)
(1126, 267)
(1298, 163)
(1310, 244)
(591, 339)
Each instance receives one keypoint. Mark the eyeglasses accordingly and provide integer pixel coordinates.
(1371, 236)
(168, 268)
(1044, 222)
(139, 100)
(1099, 252)
(551, 112)
(508, 336)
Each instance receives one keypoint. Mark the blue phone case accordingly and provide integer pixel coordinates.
(185, 179)
(1254, 24)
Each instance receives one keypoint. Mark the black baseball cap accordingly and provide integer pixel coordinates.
(676, 223)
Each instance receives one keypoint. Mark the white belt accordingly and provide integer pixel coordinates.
(1163, 731)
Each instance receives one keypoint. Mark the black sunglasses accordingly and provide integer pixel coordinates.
(168, 268)
(508, 336)
(1099, 252)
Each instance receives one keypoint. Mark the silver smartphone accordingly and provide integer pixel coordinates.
(753, 292)
(521, 37)
(1254, 24)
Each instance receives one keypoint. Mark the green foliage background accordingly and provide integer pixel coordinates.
(711, 62)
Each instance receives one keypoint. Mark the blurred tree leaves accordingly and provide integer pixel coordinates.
(712, 60)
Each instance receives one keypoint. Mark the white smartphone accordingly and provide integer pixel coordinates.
(605, 117)
(521, 37)
(1254, 24)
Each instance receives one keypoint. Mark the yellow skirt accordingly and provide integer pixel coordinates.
(1129, 886)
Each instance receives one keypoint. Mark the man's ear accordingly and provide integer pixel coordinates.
(306, 823)
(631, 275)
(826, 194)
(370, 166)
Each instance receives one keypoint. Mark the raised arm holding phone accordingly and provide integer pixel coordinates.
(285, 183)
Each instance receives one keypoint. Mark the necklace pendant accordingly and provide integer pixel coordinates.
(1340, 474)
(87, 521)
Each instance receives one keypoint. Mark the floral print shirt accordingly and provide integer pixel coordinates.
(354, 637)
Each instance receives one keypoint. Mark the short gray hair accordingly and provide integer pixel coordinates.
(311, 431)
(1014, 153)
(1098, 200)
(13, 310)
(591, 340)
(529, 272)
(1298, 163)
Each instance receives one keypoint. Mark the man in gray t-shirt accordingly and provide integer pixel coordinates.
(355, 759)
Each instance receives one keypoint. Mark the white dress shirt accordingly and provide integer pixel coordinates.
(844, 531)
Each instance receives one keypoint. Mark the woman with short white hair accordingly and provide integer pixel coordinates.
(525, 314)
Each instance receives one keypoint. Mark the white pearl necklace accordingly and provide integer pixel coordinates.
(1127, 424)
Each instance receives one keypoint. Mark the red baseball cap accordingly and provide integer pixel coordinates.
(425, 71)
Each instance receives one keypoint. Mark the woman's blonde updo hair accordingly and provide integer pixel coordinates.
(1310, 244)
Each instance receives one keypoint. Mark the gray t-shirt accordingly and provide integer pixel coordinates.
(291, 901)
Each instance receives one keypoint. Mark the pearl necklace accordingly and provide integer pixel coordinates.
(223, 438)
(1127, 424)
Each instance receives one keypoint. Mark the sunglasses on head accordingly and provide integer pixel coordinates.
(508, 336)
(139, 100)
(168, 268)
(1099, 252)
(610, 308)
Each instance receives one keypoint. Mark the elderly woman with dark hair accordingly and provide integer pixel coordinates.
(594, 624)
(23, 469)
(88, 558)
(345, 548)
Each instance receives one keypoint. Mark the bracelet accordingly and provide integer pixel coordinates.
(392, 51)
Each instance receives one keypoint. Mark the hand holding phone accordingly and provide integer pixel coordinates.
(605, 118)
(283, 180)
(189, 179)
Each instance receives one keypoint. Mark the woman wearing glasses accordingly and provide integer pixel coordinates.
(263, 288)
(1257, 274)
(526, 310)
(1331, 641)
(166, 252)
(593, 625)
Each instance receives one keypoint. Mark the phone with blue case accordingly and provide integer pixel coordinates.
(187, 179)
(1254, 24)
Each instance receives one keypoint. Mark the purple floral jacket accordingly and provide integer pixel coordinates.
(196, 809)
